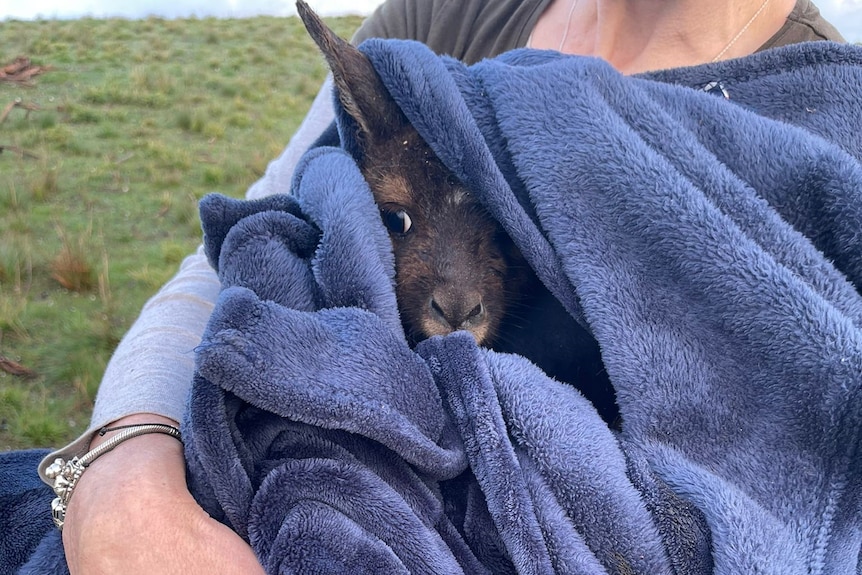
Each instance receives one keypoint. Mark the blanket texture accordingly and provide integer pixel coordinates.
(704, 225)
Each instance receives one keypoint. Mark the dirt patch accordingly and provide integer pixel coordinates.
(21, 71)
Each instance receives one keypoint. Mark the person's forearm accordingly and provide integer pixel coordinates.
(131, 513)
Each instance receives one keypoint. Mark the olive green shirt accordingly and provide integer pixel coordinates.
(471, 30)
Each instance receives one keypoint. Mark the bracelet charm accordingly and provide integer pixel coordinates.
(65, 475)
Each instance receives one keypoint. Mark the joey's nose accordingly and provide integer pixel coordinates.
(457, 310)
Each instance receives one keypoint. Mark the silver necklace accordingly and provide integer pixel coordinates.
(569, 24)
(742, 31)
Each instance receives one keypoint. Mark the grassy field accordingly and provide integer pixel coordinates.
(103, 162)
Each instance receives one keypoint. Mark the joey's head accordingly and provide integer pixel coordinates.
(455, 267)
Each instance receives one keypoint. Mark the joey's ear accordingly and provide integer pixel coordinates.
(360, 89)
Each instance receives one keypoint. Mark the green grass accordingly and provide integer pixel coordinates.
(137, 121)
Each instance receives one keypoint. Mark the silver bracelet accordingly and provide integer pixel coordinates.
(67, 473)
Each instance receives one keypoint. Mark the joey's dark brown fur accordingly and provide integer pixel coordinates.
(455, 267)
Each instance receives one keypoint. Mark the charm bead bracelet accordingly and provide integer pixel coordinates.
(67, 473)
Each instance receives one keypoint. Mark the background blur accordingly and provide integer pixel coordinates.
(111, 131)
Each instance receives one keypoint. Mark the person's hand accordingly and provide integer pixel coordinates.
(131, 513)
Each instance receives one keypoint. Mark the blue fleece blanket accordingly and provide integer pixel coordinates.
(705, 226)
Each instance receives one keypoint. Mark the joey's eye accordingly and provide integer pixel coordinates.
(398, 222)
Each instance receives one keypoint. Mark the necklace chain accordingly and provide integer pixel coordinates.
(741, 31)
(568, 25)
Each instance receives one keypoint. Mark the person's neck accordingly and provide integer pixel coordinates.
(642, 35)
